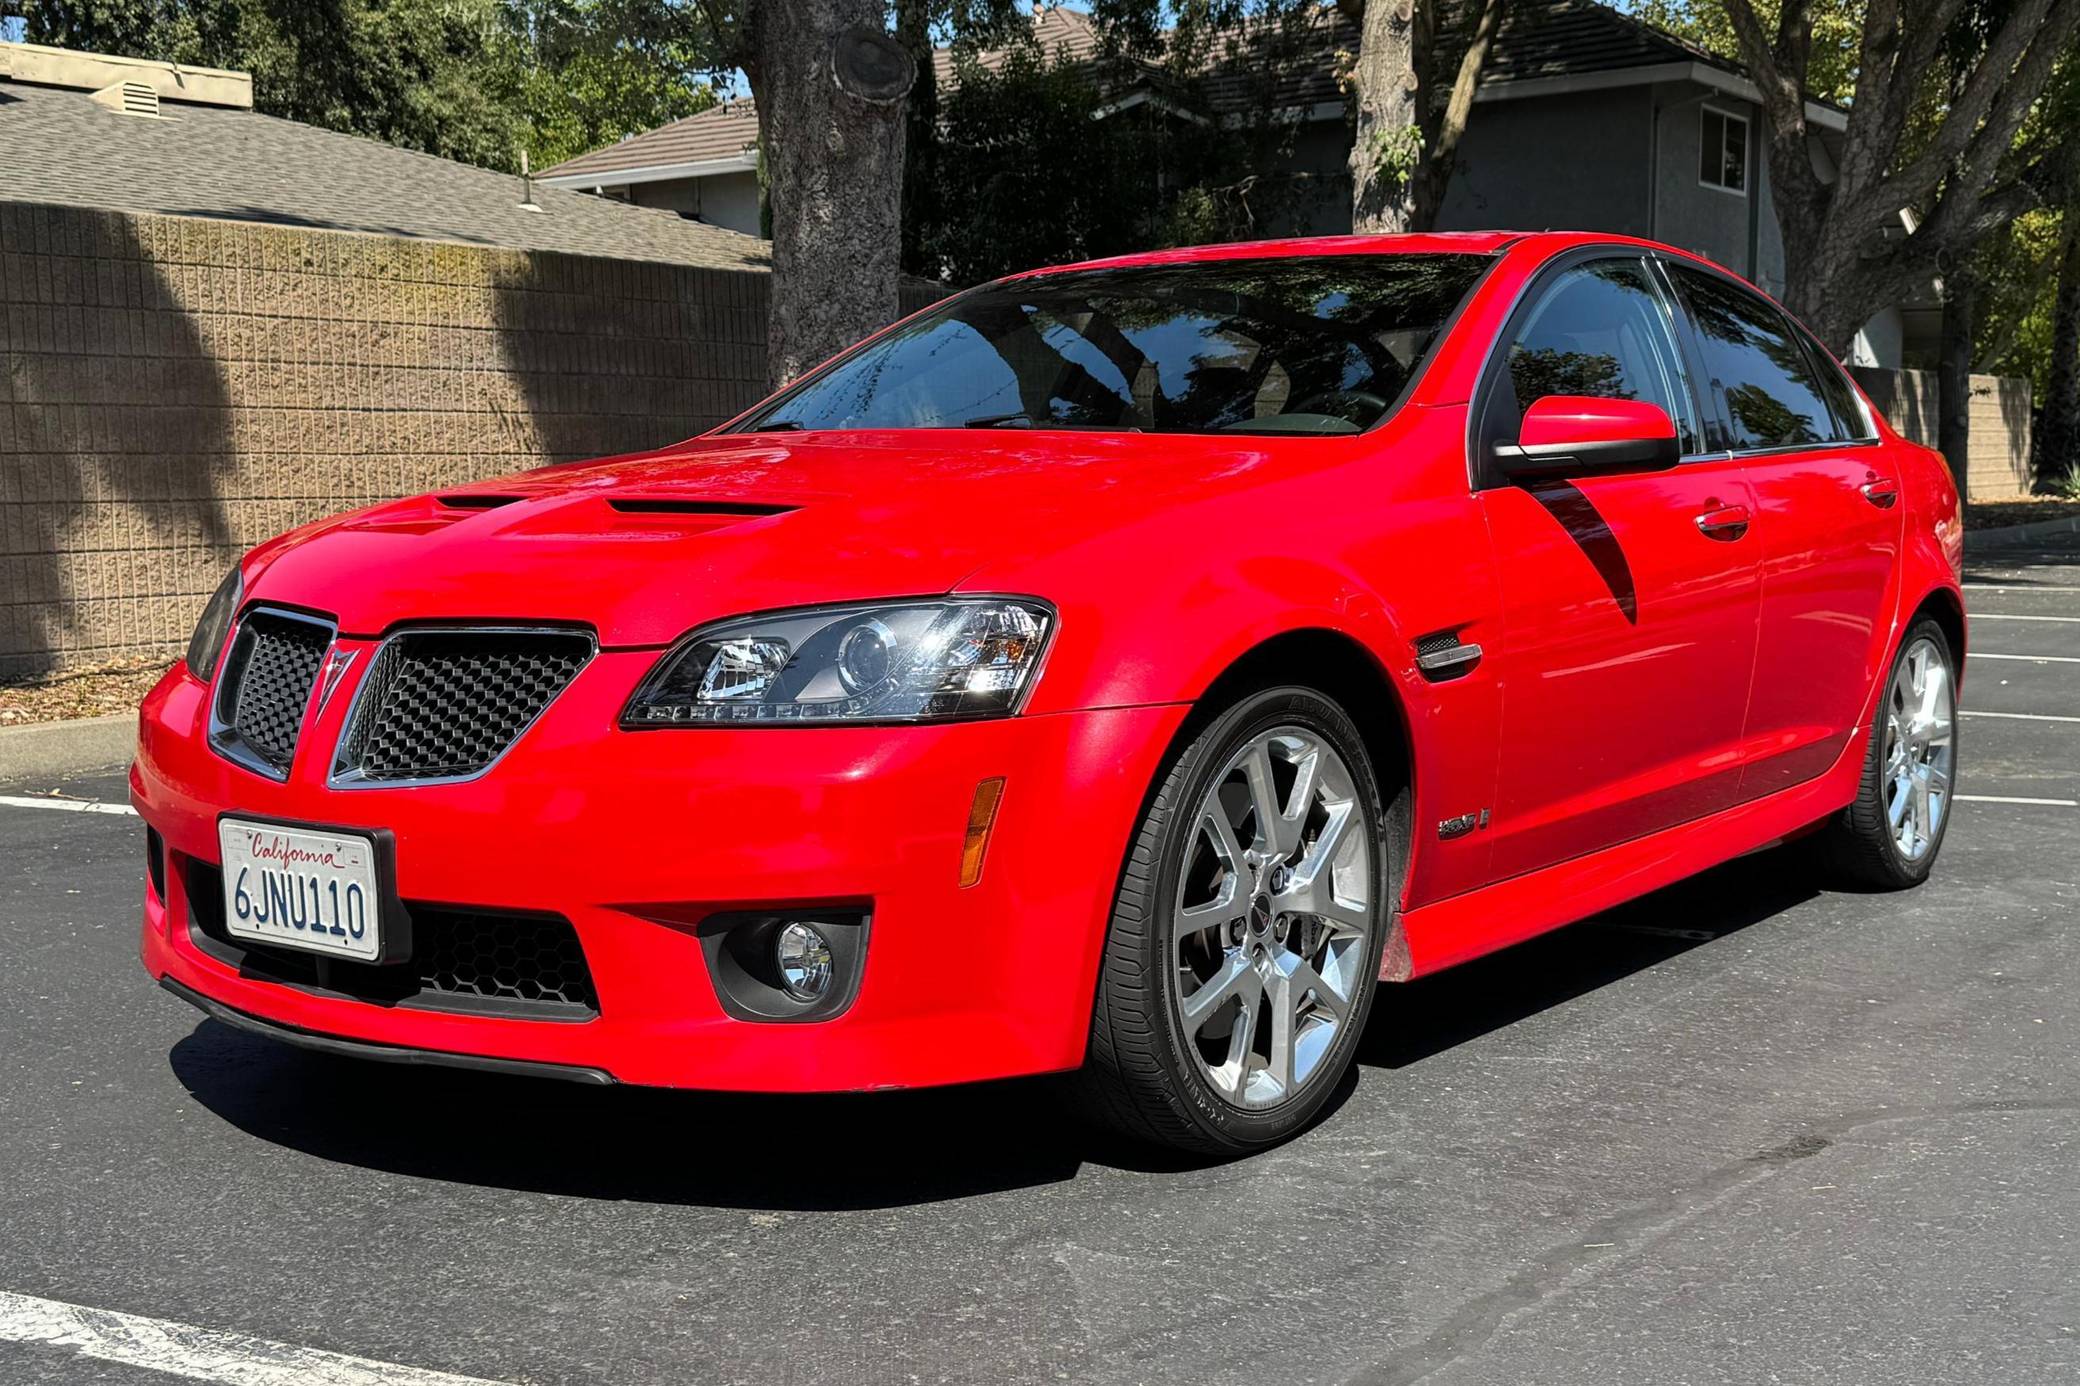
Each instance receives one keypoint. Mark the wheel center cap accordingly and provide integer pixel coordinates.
(1260, 914)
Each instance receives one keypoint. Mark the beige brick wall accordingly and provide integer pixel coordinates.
(1999, 456)
(174, 390)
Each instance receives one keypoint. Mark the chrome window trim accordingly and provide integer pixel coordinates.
(341, 776)
(222, 735)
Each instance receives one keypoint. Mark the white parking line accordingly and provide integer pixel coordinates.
(64, 805)
(2026, 659)
(1997, 616)
(201, 1354)
(2022, 716)
(1971, 586)
(2005, 799)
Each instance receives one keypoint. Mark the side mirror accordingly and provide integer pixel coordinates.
(1574, 434)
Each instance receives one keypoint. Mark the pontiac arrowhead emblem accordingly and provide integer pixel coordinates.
(336, 666)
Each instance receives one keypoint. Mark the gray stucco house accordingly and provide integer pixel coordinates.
(1586, 118)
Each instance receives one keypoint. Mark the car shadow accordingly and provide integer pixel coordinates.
(1436, 1013)
(875, 1150)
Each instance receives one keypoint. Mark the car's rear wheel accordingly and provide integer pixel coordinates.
(1245, 943)
(1890, 835)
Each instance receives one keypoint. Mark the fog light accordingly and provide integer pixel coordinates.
(804, 958)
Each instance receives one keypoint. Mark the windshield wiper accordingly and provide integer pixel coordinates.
(1028, 421)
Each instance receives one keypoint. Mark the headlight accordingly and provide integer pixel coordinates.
(207, 643)
(900, 662)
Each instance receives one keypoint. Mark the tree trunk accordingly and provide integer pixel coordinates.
(921, 135)
(1954, 376)
(1447, 125)
(830, 85)
(2058, 434)
(1389, 143)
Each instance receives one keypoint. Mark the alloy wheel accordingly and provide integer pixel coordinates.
(1273, 917)
(1919, 748)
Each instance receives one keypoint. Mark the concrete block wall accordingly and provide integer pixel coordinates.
(1999, 465)
(174, 390)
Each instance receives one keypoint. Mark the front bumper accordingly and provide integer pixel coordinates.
(635, 837)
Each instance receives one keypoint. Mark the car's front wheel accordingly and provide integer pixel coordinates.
(1244, 948)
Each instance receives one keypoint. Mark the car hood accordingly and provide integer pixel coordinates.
(645, 547)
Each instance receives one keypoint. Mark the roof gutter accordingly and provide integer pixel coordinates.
(1704, 74)
(651, 173)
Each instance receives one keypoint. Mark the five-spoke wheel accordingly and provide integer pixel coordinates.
(1890, 835)
(1245, 946)
(1273, 916)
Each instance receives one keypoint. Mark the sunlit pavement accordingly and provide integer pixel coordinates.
(1743, 1131)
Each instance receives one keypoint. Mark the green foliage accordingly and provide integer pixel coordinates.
(1041, 159)
(592, 71)
(1837, 35)
(474, 80)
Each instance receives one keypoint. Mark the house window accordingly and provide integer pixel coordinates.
(1723, 150)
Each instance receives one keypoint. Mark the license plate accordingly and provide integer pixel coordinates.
(300, 888)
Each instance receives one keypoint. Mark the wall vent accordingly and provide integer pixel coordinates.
(129, 98)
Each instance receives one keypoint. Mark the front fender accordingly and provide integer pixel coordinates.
(1378, 552)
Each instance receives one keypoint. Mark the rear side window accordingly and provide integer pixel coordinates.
(1850, 423)
(1759, 372)
(1601, 329)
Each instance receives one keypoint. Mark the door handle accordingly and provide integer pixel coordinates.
(1880, 493)
(1724, 523)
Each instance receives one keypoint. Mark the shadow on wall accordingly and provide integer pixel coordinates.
(610, 356)
(115, 438)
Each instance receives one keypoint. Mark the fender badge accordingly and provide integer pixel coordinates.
(1462, 825)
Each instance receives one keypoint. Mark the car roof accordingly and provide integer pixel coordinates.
(1428, 242)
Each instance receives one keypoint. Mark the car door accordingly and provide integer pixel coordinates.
(1628, 599)
(1827, 525)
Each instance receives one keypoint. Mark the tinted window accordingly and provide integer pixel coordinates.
(1601, 329)
(1299, 345)
(1760, 373)
(1841, 395)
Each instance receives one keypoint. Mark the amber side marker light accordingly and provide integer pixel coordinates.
(981, 814)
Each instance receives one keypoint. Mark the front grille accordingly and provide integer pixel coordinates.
(514, 957)
(445, 704)
(267, 685)
(476, 962)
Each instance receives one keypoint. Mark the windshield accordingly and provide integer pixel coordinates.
(1321, 344)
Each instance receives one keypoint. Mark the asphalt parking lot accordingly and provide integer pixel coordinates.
(1746, 1130)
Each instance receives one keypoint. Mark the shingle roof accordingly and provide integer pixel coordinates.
(57, 146)
(1558, 38)
(720, 132)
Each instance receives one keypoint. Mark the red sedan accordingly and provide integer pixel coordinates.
(1124, 668)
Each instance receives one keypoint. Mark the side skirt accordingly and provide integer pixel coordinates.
(1463, 927)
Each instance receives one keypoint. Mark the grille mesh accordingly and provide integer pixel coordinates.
(508, 957)
(462, 960)
(444, 704)
(273, 670)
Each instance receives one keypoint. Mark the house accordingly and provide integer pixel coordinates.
(1585, 118)
(216, 325)
(91, 130)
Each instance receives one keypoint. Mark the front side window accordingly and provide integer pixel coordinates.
(1601, 329)
(1321, 344)
(1763, 378)
(1722, 160)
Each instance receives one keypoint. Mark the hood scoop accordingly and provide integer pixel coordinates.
(476, 500)
(735, 510)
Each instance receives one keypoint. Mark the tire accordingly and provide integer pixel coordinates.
(1152, 1072)
(1909, 772)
